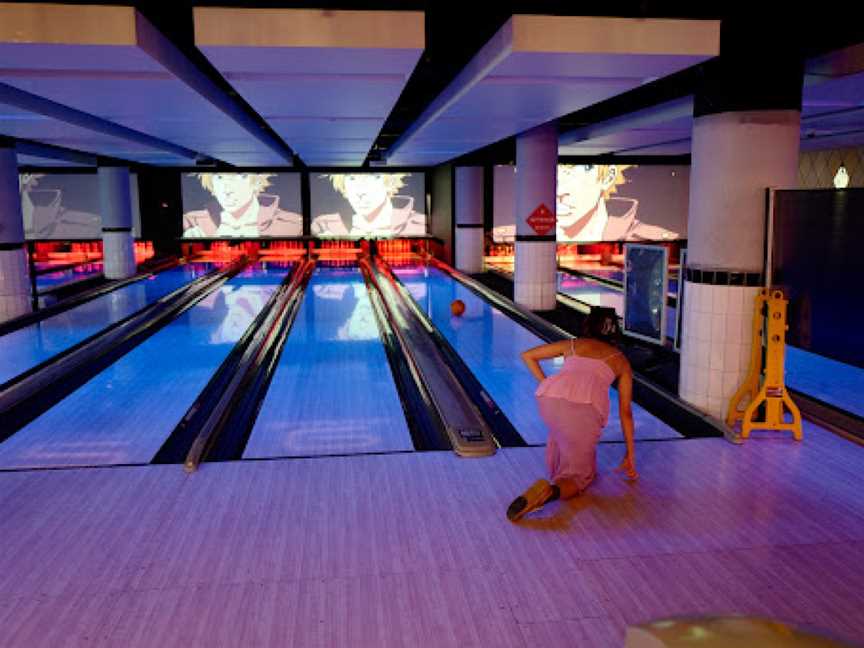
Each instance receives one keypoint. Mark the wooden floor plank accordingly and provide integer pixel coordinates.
(598, 633)
(414, 549)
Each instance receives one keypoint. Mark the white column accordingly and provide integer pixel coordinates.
(504, 202)
(117, 240)
(469, 219)
(536, 169)
(14, 268)
(735, 157)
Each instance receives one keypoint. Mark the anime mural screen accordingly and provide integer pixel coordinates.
(241, 205)
(66, 206)
(605, 202)
(368, 204)
(619, 202)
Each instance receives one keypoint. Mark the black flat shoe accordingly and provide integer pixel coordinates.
(532, 499)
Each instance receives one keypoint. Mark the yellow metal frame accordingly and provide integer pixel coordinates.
(772, 393)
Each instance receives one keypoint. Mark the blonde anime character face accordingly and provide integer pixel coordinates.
(234, 191)
(582, 186)
(361, 324)
(367, 192)
(243, 304)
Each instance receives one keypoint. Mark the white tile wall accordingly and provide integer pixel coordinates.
(720, 300)
(14, 272)
(119, 255)
(733, 327)
(715, 351)
(715, 384)
(717, 407)
(14, 284)
(469, 249)
(732, 381)
(731, 359)
(735, 304)
(12, 306)
(535, 275)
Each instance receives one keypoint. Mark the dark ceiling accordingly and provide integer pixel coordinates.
(454, 34)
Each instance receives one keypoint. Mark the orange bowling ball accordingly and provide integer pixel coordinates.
(457, 307)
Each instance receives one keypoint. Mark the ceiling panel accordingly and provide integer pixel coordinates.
(110, 62)
(832, 116)
(539, 68)
(833, 141)
(833, 103)
(833, 93)
(848, 119)
(325, 81)
(25, 159)
(651, 131)
(22, 124)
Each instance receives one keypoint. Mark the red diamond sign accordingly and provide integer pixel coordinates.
(541, 219)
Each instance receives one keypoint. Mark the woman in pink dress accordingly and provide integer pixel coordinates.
(574, 404)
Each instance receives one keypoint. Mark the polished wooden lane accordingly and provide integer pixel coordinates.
(414, 549)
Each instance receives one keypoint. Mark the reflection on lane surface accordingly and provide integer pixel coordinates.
(490, 343)
(51, 280)
(591, 292)
(124, 414)
(594, 293)
(332, 392)
(27, 347)
(828, 380)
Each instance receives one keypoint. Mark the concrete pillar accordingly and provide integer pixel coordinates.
(504, 203)
(15, 298)
(469, 219)
(746, 135)
(536, 170)
(117, 239)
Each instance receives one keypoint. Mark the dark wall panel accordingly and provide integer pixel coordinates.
(818, 258)
(441, 226)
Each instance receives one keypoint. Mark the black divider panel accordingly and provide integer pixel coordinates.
(819, 262)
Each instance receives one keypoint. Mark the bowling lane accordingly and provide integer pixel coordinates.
(490, 343)
(125, 413)
(591, 292)
(606, 273)
(595, 293)
(25, 348)
(333, 391)
(836, 383)
(51, 280)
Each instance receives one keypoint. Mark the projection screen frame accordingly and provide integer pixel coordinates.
(661, 340)
(679, 302)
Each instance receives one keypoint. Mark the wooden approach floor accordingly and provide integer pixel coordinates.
(414, 549)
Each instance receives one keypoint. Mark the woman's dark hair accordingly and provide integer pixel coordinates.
(602, 324)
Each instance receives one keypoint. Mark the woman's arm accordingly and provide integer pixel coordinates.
(532, 357)
(625, 411)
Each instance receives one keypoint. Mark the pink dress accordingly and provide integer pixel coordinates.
(574, 404)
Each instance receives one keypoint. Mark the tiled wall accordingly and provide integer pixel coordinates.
(469, 249)
(816, 169)
(536, 283)
(119, 254)
(715, 349)
(14, 284)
